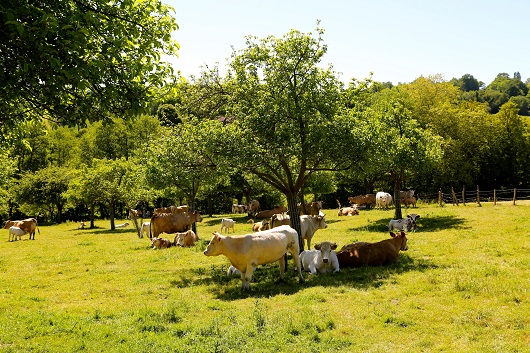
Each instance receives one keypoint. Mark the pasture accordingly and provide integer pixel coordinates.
(463, 286)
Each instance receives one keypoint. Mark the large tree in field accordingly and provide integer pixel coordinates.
(401, 147)
(286, 108)
(77, 60)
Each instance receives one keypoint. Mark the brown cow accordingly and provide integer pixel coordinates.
(253, 207)
(259, 226)
(373, 254)
(312, 208)
(172, 222)
(171, 209)
(368, 200)
(269, 213)
(28, 225)
(160, 243)
(409, 201)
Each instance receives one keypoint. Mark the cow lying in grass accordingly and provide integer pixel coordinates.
(323, 259)
(373, 254)
(160, 243)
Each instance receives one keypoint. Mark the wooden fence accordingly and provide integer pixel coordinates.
(463, 197)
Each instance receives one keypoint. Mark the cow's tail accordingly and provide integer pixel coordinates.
(339, 203)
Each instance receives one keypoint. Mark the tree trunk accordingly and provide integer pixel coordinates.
(294, 216)
(397, 198)
(92, 212)
(111, 215)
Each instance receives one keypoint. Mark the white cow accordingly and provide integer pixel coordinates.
(308, 225)
(227, 223)
(16, 232)
(146, 228)
(123, 225)
(250, 250)
(383, 199)
(406, 224)
(323, 259)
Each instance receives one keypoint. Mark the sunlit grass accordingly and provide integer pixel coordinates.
(463, 286)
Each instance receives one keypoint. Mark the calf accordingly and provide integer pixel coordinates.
(323, 259)
(250, 250)
(146, 228)
(227, 223)
(160, 243)
(373, 254)
(409, 201)
(186, 239)
(406, 224)
(16, 232)
(348, 211)
(259, 226)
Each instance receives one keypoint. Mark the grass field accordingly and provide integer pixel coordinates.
(463, 286)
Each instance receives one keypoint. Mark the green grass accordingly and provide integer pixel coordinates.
(463, 286)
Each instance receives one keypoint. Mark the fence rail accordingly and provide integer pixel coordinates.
(476, 196)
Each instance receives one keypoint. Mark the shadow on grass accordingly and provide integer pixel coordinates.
(240, 220)
(429, 224)
(265, 280)
(97, 230)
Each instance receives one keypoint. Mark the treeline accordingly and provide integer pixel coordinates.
(64, 173)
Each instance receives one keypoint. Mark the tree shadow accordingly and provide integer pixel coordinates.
(265, 282)
(240, 219)
(428, 224)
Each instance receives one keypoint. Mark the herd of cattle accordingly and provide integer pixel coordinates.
(273, 236)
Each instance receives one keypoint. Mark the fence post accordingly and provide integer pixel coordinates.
(478, 197)
(514, 195)
(464, 195)
(494, 197)
(455, 200)
(440, 197)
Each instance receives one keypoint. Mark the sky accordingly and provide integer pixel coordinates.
(395, 40)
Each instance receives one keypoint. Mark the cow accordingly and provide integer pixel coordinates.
(123, 225)
(145, 229)
(133, 214)
(239, 208)
(160, 243)
(15, 232)
(360, 200)
(406, 224)
(312, 208)
(383, 200)
(29, 225)
(373, 254)
(171, 209)
(253, 207)
(227, 224)
(409, 201)
(323, 259)
(250, 250)
(308, 225)
(172, 222)
(82, 225)
(347, 211)
(186, 239)
(269, 213)
(259, 226)
(406, 194)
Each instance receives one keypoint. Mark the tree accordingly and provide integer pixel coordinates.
(401, 146)
(44, 189)
(78, 60)
(288, 124)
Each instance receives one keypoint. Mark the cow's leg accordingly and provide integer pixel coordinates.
(246, 277)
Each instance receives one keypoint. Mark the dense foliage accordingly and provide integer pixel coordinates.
(277, 127)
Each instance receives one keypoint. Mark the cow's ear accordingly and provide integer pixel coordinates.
(392, 235)
(402, 234)
(417, 216)
(408, 216)
(318, 246)
(333, 246)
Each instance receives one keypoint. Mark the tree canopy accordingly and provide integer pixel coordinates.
(76, 60)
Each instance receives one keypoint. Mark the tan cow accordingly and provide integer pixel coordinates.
(28, 225)
(409, 201)
(253, 207)
(360, 200)
(172, 222)
(373, 254)
(312, 208)
(247, 251)
(186, 239)
(269, 213)
(259, 226)
(171, 209)
(347, 211)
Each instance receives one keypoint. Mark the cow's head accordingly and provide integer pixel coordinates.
(403, 240)
(325, 249)
(215, 245)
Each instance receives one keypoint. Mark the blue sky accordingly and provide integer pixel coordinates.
(397, 41)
